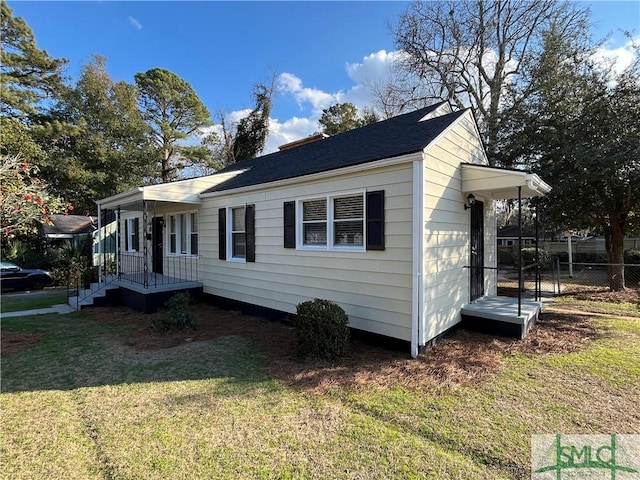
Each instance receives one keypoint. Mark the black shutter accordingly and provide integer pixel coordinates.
(136, 234)
(250, 232)
(127, 247)
(375, 220)
(289, 224)
(222, 233)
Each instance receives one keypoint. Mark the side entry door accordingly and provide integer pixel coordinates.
(477, 250)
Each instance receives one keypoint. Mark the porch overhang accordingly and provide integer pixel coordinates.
(179, 192)
(501, 183)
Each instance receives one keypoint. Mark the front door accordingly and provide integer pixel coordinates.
(477, 250)
(157, 245)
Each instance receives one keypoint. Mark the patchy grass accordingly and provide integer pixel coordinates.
(28, 302)
(580, 303)
(95, 394)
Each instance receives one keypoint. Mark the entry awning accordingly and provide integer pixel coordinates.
(501, 183)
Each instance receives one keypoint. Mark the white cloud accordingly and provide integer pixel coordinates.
(289, 83)
(135, 22)
(373, 68)
(619, 58)
(279, 132)
(288, 131)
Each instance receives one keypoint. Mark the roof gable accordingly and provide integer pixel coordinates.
(401, 135)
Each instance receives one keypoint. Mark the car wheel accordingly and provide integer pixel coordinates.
(36, 283)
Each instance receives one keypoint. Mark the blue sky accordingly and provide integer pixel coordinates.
(323, 52)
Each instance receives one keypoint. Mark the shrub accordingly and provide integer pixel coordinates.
(544, 258)
(321, 330)
(632, 256)
(177, 316)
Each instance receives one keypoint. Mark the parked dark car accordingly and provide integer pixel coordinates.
(13, 276)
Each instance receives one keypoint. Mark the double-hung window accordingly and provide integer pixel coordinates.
(236, 233)
(353, 221)
(183, 233)
(314, 222)
(131, 234)
(333, 222)
(238, 244)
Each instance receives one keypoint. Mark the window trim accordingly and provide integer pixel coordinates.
(180, 235)
(330, 222)
(230, 232)
(131, 233)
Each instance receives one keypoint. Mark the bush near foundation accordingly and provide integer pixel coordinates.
(321, 330)
(176, 317)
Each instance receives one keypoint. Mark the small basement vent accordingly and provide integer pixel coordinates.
(303, 141)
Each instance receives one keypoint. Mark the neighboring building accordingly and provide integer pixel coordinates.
(508, 236)
(394, 221)
(67, 228)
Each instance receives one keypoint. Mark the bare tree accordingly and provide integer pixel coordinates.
(247, 137)
(467, 52)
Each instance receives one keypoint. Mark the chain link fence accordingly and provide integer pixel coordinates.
(563, 278)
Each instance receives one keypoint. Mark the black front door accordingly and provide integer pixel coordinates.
(156, 240)
(477, 250)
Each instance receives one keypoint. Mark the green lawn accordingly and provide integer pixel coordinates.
(79, 403)
(30, 302)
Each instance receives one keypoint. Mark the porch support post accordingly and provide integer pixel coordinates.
(119, 259)
(538, 286)
(145, 249)
(520, 285)
(100, 264)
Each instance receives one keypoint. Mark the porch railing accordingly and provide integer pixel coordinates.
(178, 269)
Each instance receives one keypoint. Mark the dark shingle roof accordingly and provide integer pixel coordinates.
(74, 224)
(396, 136)
(513, 231)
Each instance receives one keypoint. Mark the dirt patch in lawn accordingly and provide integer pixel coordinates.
(461, 358)
(13, 342)
(595, 294)
(630, 295)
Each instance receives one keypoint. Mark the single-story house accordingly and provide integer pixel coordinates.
(510, 235)
(67, 228)
(394, 221)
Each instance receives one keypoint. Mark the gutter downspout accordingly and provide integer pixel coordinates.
(417, 281)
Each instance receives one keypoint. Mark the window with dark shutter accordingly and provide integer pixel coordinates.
(375, 220)
(289, 224)
(222, 233)
(250, 232)
(238, 237)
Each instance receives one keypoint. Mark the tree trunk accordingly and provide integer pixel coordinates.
(616, 251)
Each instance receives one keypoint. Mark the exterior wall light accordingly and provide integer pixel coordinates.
(470, 201)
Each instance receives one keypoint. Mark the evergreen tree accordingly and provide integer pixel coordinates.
(28, 74)
(174, 112)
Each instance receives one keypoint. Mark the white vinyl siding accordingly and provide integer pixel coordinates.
(373, 287)
(446, 232)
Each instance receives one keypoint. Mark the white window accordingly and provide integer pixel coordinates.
(237, 242)
(348, 221)
(332, 222)
(131, 234)
(183, 234)
(314, 222)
